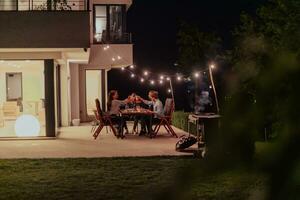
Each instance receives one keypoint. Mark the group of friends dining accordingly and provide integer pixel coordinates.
(153, 106)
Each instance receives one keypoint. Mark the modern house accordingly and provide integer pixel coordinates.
(54, 59)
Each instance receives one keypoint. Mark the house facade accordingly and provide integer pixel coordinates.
(54, 59)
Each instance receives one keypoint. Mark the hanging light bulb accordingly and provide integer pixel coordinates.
(210, 87)
(212, 66)
(142, 80)
(132, 75)
(169, 90)
(161, 82)
(119, 57)
(196, 75)
(179, 78)
(113, 59)
(131, 66)
(168, 78)
(161, 77)
(146, 73)
(123, 68)
(152, 82)
(107, 47)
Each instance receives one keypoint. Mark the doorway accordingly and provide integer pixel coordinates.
(14, 86)
(90, 89)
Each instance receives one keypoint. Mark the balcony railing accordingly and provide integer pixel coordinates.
(113, 38)
(28, 5)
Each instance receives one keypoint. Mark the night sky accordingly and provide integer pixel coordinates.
(154, 25)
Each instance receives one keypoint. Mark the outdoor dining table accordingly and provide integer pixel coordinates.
(136, 112)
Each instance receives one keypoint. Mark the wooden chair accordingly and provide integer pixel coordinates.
(104, 121)
(166, 120)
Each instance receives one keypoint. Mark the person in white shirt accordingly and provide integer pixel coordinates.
(158, 109)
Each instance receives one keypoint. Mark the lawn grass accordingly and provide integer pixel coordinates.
(124, 178)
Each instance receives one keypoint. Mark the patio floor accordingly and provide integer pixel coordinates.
(77, 142)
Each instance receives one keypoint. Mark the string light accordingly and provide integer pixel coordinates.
(113, 59)
(107, 47)
(119, 57)
(162, 78)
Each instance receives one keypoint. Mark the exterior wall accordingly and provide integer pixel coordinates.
(42, 29)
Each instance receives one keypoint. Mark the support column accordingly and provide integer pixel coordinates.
(49, 98)
(103, 88)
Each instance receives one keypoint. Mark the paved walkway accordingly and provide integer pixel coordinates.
(77, 142)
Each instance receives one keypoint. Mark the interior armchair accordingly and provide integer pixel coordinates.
(10, 110)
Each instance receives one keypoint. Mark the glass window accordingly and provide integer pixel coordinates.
(116, 22)
(100, 23)
(22, 94)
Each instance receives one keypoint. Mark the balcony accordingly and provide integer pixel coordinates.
(30, 5)
(113, 38)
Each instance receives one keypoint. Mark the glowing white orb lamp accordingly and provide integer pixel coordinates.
(27, 126)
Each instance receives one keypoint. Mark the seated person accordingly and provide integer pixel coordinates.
(157, 106)
(113, 105)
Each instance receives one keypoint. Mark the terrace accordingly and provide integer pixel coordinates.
(77, 142)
